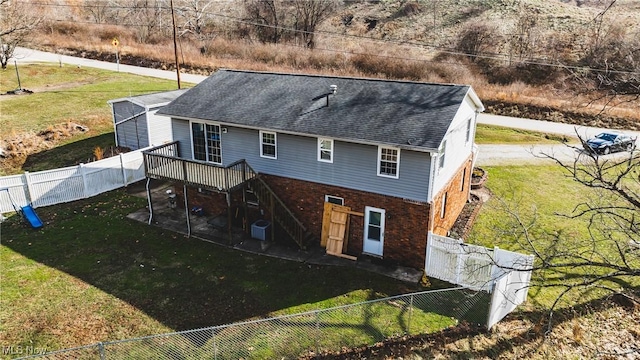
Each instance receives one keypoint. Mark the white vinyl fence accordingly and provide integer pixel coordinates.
(50, 187)
(504, 274)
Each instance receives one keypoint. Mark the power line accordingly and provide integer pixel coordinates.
(444, 50)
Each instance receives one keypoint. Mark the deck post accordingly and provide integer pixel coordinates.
(272, 209)
(245, 220)
(229, 216)
(186, 208)
(149, 201)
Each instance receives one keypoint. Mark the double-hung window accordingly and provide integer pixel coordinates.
(268, 145)
(325, 150)
(442, 154)
(388, 162)
(206, 142)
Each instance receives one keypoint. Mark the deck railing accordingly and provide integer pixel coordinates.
(163, 162)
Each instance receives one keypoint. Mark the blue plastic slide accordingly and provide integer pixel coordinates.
(31, 217)
(28, 213)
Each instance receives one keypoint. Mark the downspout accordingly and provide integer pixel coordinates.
(474, 147)
(433, 172)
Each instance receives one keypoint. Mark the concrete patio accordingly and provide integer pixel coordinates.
(175, 219)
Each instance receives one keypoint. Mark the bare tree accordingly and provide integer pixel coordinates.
(148, 15)
(17, 20)
(609, 257)
(611, 61)
(476, 39)
(309, 14)
(269, 18)
(100, 11)
(194, 14)
(523, 41)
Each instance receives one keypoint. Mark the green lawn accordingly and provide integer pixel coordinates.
(61, 95)
(92, 275)
(490, 134)
(545, 193)
(67, 93)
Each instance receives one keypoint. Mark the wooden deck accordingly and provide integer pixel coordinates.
(164, 163)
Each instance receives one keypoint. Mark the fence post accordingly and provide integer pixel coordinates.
(29, 194)
(215, 346)
(85, 187)
(317, 331)
(101, 350)
(124, 171)
(410, 313)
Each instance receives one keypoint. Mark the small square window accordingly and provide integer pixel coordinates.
(268, 145)
(334, 199)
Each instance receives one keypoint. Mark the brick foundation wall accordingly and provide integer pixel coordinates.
(457, 197)
(212, 203)
(406, 224)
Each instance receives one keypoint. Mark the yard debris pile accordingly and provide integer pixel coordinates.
(18, 146)
(19, 91)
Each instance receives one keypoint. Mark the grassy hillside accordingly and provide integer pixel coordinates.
(402, 39)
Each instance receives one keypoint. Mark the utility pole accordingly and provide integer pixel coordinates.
(15, 62)
(175, 45)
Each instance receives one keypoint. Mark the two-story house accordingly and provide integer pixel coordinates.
(399, 153)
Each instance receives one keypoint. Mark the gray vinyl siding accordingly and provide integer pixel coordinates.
(182, 134)
(132, 133)
(354, 165)
(125, 109)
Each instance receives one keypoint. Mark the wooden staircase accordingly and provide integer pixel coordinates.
(280, 212)
(163, 162)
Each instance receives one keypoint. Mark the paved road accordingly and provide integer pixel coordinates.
(543, 126)
(488, 154)
(24, 55)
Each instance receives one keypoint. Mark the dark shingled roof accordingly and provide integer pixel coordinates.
(152, 99)
(396, 113)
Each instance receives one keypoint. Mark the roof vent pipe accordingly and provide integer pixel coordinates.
(334, 89)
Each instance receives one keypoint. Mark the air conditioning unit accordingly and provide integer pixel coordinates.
(261, 230)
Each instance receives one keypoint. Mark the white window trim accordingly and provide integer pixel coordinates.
(320, 140)
(193, 153)
(379, 159)
(275, 145)
(442, 155)
(326, 199)
(469, 129)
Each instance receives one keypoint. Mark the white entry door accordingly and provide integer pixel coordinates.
(373, 231)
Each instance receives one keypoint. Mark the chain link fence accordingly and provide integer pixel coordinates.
(292, 336)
